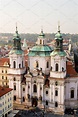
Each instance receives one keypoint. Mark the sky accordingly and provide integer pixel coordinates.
(33, 15)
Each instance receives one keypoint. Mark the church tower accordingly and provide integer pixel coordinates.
(57, 74)
(17, 67)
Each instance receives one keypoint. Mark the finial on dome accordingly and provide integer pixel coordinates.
(16, 28)
(42, 29)
(58, 26)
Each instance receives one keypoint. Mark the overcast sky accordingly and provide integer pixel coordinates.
(32, 15)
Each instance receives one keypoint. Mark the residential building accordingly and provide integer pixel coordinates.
(6, 101)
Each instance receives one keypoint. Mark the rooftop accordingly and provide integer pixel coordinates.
(4, 90)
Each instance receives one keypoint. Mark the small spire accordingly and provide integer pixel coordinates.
(41, 29)
(58, 26)
(16, 28)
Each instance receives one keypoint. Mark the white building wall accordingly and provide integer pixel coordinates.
(42, 63)
(18, 59)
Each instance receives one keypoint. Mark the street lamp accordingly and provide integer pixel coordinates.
(75, 112)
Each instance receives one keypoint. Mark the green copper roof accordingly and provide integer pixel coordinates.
(60, 53)
(58, 36)
(40, 50)
(16, 51)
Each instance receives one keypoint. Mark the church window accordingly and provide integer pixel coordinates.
(56, 67)
(47, 65)
(43, 42)
(37, 64)
(14, 97)
(14, 79)
(2, 77)
(22, 63)
(23, 99)
(28, 86)
(46, 102)
(72, 93)
(5, 71)
(6, 83)
(47, 92)
(23, 89)
(40, 41)
(51, 68)
(19, 65)
(6, 78)
(56, 83)
(56, 104)
(34, 88)
(2, 71)
(57, 43)
(56, 92)
(14, 64)
(62, 69)
(14, 87)
(40, 88)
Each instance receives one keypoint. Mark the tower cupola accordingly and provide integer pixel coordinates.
(17, 41)
(59, 40)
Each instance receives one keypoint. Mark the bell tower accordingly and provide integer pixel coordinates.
(58, 57)
(58, 74)
(17, 67)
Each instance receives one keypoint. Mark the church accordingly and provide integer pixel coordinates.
(49, 80)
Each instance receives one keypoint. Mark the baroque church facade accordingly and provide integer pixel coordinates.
(49, 80)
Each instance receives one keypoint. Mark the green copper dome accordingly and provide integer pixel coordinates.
(16, 52)
(58, 36)
(60, 53)
(40, 50)
(16, 44)
(58, 45)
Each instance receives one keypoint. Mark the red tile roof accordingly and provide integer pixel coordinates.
(70, 69)
(4, 90)
(3, 61)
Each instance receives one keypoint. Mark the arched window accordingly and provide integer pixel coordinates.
(2, 77)
(56, 67)
(19, 65)
(43, 42)
(34, 88)
(72, 93)
(46, 102)
(57, 43)
(14, 87)
(47, 65)
(23, 99)
(22, 63)
(14, 79)
(56, 83)
(23, 89)
(14, 97)
(56, 104)
(37, 64)
(14, 64)
(56, 92)
(40, 41)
